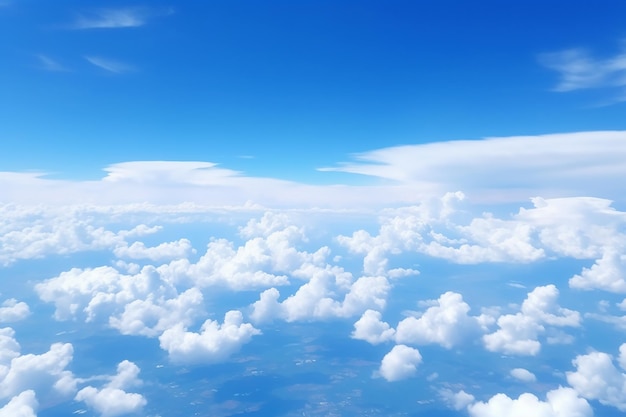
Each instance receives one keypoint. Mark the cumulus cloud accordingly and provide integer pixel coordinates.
(445, 323)
(400, 363)
(608, 273)
(318, 298)
(518, 333)
(561, 402)
(45, 373)
(456, 400)
(22, 405)
(164, 251)
(372, 329)
(13, 310)
(112, 399)
(214, 343)
(597, 378)
(523, 375)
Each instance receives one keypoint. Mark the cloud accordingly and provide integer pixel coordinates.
(561, 402)
(597, 378)
(46, 373)
(50, 64)
(117, 18)
(518, 333)
(12, 310)
(109, 65)
(400, 363)
(498, 169)
(523, 375)
(509, 169)
(167, 250)
(608, 273)
(579, 70)
(112, 399)
(22, 405)
(456, 400)
(214, 343)
(445, 323)
(372, 329)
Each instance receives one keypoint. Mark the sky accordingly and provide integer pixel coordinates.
(312, 208)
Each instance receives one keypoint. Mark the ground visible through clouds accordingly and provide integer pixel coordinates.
(429, 309)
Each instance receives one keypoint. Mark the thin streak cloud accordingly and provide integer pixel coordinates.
(49, 64)
(117, 18)
(578, 69)
(109, 65)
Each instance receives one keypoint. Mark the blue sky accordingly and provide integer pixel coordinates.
(294, 85)
(285, 208)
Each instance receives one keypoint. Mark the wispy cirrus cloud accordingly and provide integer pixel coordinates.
(578, 69)
(50, 64)
(117, 18)
(109, 65)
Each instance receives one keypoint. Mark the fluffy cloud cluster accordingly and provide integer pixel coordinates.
(142, 303)
(446, 323)
(12, 310)
(561, 402)
(518, 333)
(597, 378)
(28, 232)
(214, 343)
(112, 400)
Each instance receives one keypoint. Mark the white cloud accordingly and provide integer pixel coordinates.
(523, 375)
(112, 399)
(456, 400)
(597, 378)
(116, 18)
(400, 363)
(109, 65)
(518, 333)
(164, 251)
(372, 329)
(46, 373)
(22, 405)
(608, 273)
(50, 64)
(13, 310)
(578, 70)
(445, 323)
(561, 402)
(555, 165)
(214, 343)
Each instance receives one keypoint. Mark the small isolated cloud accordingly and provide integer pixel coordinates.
(117, 18)
(400, 363)
(109, 65)
(112, 399)
(13, 310)
(561, 402)
(523, 375)
(578, 69)
(49, 64)
(456, 400)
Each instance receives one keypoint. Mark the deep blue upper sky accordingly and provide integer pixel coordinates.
(296, 85)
